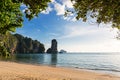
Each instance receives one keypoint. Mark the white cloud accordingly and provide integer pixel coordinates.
(76, 31)
(89, 38)
(71, 31)
(111, 45)
(67, 3)
(70, 17)
(53, 34)
(74, 19)
(52, 1)
(47, 11)
(60, 9)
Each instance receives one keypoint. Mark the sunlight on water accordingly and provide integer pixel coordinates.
(93, 61)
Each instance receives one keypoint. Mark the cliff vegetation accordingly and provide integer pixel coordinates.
(16, 43)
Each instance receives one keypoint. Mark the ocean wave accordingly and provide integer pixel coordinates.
(100, 69)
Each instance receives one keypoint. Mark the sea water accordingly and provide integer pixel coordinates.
(103, 62)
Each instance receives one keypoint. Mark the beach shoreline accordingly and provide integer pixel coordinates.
(20, 71)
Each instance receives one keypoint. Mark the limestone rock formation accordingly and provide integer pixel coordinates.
(16, 43)
(27, 45)
(62, 51)
(53, 48)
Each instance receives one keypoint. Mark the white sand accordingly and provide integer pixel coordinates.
(16, 71)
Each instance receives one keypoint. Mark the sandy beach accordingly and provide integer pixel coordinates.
(18, 71)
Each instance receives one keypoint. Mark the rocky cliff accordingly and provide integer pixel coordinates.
(27, 45)
(53, 48)
(18, 44)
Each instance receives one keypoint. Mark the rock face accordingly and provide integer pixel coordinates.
(53, 48)
(27, 45)
(16, 43)
(62, 51)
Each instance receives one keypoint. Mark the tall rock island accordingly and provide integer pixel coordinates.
(53, 48)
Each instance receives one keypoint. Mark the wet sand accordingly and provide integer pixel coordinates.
(18, 71)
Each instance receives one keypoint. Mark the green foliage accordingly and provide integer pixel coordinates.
(103, 10)
(11, 18)
(7, 44)
(11, 15)
(34, 7)
(4, 52)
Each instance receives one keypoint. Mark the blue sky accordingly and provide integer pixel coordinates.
(72, 35)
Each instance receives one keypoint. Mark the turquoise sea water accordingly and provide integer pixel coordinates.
(104, 62)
